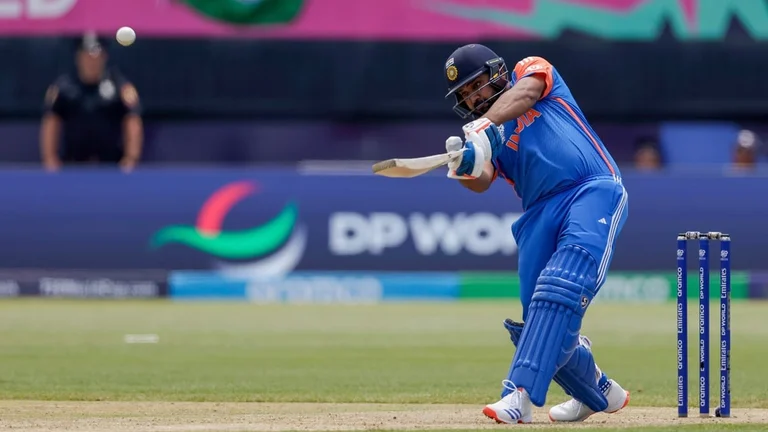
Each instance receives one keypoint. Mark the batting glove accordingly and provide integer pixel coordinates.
(486, 135)
(469, 165)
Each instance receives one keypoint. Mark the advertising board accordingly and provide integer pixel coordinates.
(245, 222)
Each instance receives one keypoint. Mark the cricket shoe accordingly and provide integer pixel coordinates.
(515, 407)
(575, 411)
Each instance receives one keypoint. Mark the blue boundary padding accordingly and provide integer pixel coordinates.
(205, 286)
(394, 286)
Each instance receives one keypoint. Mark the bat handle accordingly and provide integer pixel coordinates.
(456, 153)
(453, 155)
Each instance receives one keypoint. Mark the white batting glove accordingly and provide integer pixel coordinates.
(469, 165)
(485, 135)
(453, 143)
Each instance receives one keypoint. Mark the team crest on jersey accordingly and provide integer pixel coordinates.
(452, 73)
(107, 89)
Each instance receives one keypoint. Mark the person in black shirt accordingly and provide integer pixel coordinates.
(95, 113)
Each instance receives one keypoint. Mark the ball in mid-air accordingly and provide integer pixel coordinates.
(126, 36)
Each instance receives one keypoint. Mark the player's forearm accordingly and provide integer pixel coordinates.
(133, 137)
(516, 101)
(482, 183)
(49, 137)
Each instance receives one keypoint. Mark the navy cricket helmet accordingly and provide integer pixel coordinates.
(467, 63)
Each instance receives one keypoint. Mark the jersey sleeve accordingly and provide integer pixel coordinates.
(55, 102)
(530, 66)
(495, 163)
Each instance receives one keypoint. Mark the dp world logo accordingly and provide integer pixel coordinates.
(271, 249)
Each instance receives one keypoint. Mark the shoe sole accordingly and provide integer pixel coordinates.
(626, 402)
(491, 414)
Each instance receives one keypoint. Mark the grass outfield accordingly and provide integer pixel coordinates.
(401, 355)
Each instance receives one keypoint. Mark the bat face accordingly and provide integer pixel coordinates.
(407, 168)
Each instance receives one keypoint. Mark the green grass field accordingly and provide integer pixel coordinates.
(351, 359)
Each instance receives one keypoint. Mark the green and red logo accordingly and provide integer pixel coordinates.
(272, 248)
(248, 12)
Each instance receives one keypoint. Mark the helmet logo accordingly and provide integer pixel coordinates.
(452, 73)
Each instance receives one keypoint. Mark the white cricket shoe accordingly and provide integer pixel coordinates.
(515, 407)
(575, 411)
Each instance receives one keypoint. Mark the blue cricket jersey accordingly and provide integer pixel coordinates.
(551, 147)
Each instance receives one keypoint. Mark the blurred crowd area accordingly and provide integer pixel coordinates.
(233, 82)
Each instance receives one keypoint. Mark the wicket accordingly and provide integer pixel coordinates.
(724, 408)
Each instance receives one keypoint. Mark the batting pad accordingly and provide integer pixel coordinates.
(578, 377)
(563, 292)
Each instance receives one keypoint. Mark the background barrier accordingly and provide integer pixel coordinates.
(250, 224)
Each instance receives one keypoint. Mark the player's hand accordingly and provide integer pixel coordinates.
(469, 165)
(127, 165)
(52, 164)
(485, 134)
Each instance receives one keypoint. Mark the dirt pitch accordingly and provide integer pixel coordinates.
(34, 416)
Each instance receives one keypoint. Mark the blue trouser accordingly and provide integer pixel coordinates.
(566, 245)
(590, 215)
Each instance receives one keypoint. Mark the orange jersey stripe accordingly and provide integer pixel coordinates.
(591, 138)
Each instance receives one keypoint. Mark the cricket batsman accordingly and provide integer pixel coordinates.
(528, 130)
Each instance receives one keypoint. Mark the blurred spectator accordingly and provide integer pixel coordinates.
(96, 111)
(746, 150)
(647, 154)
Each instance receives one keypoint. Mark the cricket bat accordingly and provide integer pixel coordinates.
(407, 168)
